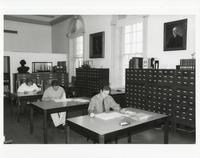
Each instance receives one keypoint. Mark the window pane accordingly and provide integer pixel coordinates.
(139, 47)
(79, 40)
(134, 37)
(139, 26)
(134, 27)
(127, 38)
(133, 48)
(128, 28)
(139, 36)
(127, 49)
(79, 47)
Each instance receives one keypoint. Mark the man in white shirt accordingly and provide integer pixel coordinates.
(52, 93)
(28, 86)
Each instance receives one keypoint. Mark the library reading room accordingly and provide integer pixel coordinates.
(99, 79)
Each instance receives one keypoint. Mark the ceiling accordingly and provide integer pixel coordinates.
(38, 19)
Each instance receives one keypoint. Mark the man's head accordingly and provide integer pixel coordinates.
(55, 84)
(29, 82)
(105, 90)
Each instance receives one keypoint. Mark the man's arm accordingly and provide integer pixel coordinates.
(91, 107)
(112, 104)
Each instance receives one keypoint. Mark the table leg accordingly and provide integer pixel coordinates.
(101, 139)
(129, 138)
(31, 119)
(67, 129)
(45, 127)
(116, 140)
(18, 109)
(166, 132)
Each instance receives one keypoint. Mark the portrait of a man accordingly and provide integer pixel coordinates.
(175, 35)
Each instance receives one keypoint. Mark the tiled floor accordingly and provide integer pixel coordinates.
(18, 132)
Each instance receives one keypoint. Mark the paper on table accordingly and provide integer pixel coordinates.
(108, 116)
(141, 116)
(63, 100)
(80, 100)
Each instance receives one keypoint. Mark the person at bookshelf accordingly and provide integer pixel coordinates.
(52, 93)
(28, 86)
(102, 102)
(23, 68)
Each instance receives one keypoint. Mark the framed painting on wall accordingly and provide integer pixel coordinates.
(97, 45)
(175, 35)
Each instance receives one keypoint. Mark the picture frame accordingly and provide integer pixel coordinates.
(97, 45)
(175, 35)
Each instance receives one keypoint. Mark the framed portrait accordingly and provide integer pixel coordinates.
(175, 35)
(97, 45)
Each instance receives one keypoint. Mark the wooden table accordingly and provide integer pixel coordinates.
(19, 97)
(100, 130)
(48, 107)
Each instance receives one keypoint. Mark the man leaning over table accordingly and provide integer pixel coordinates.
(102, 102)
(52, 93)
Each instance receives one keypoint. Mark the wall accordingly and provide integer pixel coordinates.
(30, 57)
(30, 37)
(59, 39)
(94, 24)
(155, 30)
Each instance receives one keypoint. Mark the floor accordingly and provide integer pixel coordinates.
(18, 132)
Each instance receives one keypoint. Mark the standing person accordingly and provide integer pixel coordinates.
(28, 86)
(52, 93)
(102, 102)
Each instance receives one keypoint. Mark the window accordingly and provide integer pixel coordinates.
(132, 44)
(78, 52)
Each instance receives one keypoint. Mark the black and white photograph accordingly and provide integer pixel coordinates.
(105, 82)
(57, 98)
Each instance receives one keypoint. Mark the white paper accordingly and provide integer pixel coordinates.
(108, 116)
(80, 100)
(141, 116)
(71, 99)
(63, 100)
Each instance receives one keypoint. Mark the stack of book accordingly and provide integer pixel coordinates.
(136, 63)
(187, 64)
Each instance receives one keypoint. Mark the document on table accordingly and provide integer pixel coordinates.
(63, 100)
(108, 116)
(141, 116)
(80, 100)
(71, 99)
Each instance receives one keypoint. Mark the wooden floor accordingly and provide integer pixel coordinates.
(18, 133)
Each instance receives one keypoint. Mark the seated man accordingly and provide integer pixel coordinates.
(28, 86)
(52, 93)
(102, 102)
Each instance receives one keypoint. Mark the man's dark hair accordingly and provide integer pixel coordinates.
(29, 80)
(105, 88)
(55, 83)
